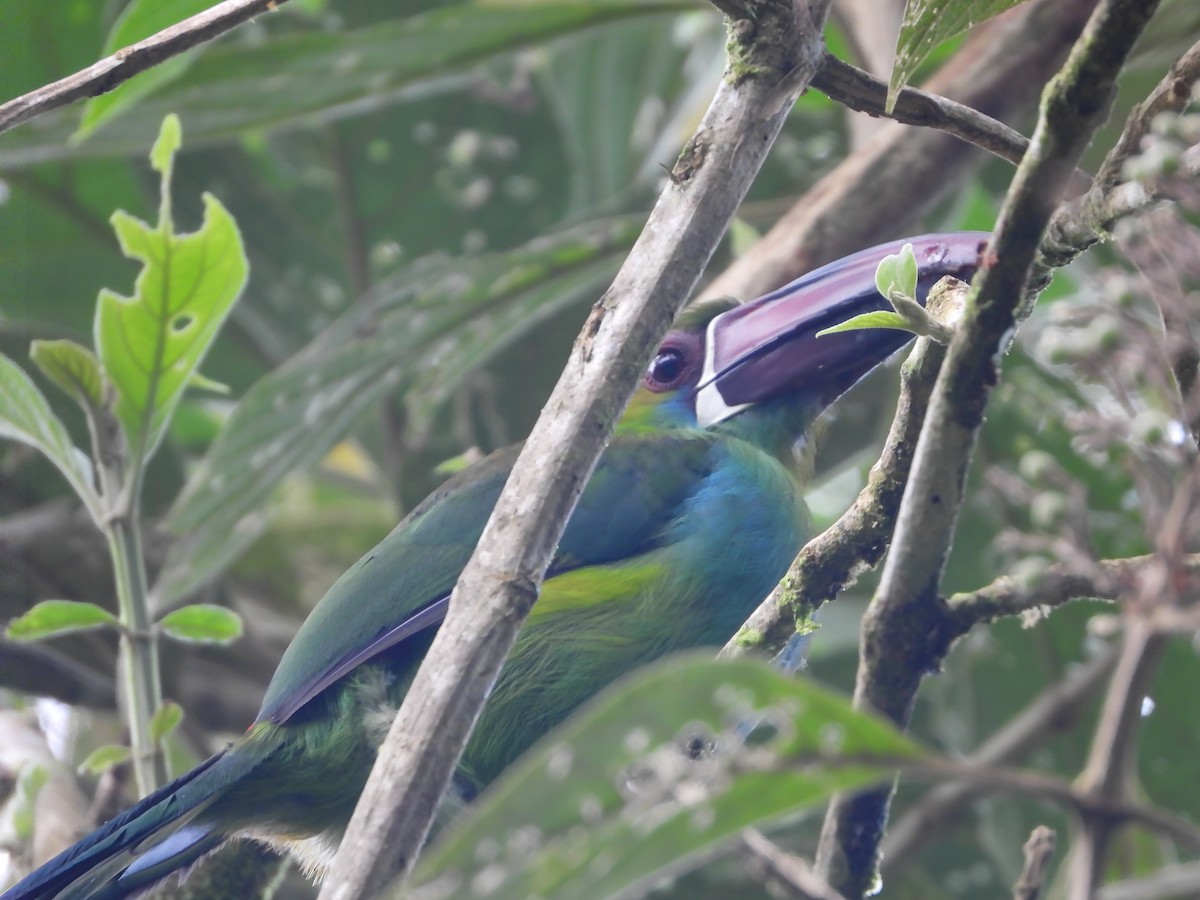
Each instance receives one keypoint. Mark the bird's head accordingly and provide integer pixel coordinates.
(723, 358)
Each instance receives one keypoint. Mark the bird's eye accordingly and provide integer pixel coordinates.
(671, 367)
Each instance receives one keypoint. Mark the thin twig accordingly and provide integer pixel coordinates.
(1045, 716)
(788, 875)
(105, 74)
(863, 92)
(1039, 850)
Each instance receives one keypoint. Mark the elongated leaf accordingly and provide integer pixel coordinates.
(660, 769)
(104, 758)
(139, 20)
(165, 720)
(72, 367)
(411, 330)
(54, 617)
(25, 416)
(152, 343)
(299, 78)
(928, 23)
(202, 623)
(877, 319)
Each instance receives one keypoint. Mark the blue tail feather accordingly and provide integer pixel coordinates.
(122, 857)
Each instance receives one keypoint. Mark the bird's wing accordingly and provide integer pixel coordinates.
(402, 586)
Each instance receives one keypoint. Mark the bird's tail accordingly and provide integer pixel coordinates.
(163, 833)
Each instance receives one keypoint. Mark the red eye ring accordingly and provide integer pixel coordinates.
(675, 364)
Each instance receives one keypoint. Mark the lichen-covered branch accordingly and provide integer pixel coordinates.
(904, 632)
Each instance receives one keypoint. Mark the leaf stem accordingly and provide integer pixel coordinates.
(140, 680)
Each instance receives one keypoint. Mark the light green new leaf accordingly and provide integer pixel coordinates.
(25, 416)
(656, 772)
(72, 367)
(137, 21)
(54, 617)
(151, 344)
(165, 720)
(104, 758)
(897, 274)
(928, 23)
(202, 623)
(879, 319)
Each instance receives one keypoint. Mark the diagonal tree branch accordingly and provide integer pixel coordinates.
(774, 48)
(105, 74)
(904, 632)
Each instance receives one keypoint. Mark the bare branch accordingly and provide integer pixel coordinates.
(772, 58)
(1042, 718)
(863, 92)
(1039, 850)
(788, 874)
(904, 633)
(105, 74)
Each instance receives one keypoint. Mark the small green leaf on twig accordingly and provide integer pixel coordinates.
(72, 367)
(26, 416)
(165, 720)
(879, 319)
(896, 274)
(29, 784)
(202, 623)
(54, 617)
(104, 758)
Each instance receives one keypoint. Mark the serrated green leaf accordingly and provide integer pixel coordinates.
(425, 329)
(880, 319)
(54, 617)
(139, 20)
(202, 623)
(152, 343)
(610, 801)
(285, 79)
(104, 758)
(928, 23)
(165, 720)
(71, 366)
(896, 274)
(25, 416)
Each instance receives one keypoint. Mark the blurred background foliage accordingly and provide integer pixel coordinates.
(431, 196)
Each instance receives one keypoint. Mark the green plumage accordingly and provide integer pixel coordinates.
(691, 517)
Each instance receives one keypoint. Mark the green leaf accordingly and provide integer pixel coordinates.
(165, 720)
(166, 145)
(202, 623)
(104, 758)
(896, 274)
(25, 416)
(303, 77)
(425, 329)
(928, 23)
(139, 20)
(880, 319)
(30, 782)
(610, 801)
(55, 617)
(72, 367)
(152, 343)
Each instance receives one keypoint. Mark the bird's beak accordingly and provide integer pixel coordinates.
(769, 347)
